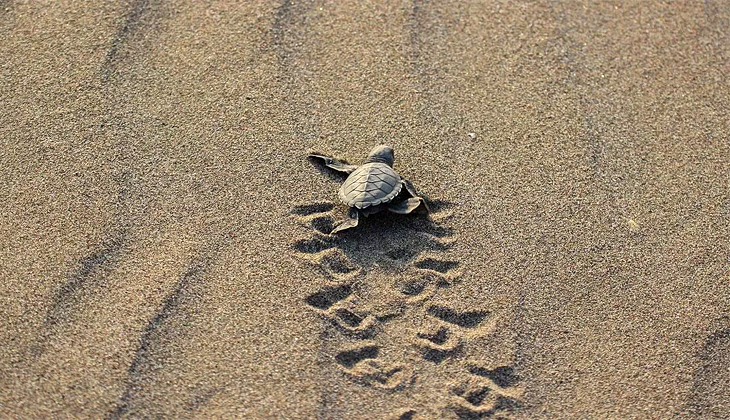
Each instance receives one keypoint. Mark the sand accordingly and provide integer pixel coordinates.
(163, 246)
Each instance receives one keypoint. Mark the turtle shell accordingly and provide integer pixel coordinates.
(369, 185)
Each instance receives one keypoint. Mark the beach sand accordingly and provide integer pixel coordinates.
(163, 246)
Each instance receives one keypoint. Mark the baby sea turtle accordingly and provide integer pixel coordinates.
(373, 187)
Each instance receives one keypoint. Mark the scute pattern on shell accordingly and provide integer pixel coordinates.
(369, 185)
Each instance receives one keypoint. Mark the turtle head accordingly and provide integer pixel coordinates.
(382, 154)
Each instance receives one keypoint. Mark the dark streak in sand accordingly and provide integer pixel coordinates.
(573, 52)
(69, 292)
(131, 22)
(201, 399)
(713, 358)
(281, 29)
(287, 35)
(326, 396)
(287, 26)
(415, 23)
(155, 331)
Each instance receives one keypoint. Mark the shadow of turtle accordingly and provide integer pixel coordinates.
(385, 239)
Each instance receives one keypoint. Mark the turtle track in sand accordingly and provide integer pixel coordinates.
(380, 280)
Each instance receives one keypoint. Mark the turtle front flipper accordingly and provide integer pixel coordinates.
(349, 222)
(414, 193)
(332, 163)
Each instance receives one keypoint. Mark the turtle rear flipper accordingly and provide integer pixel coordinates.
(414, 193)
(407, 206)
(347, 223)
(332, 163)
